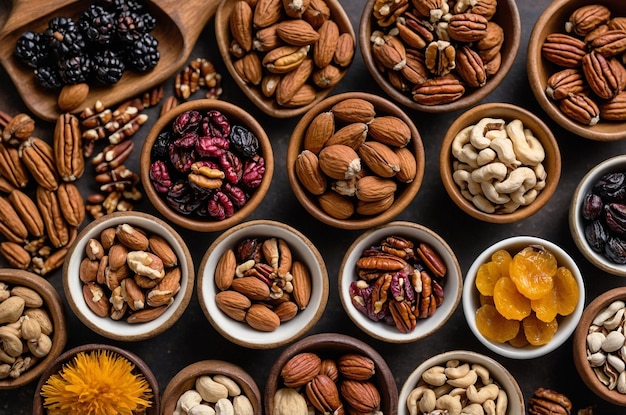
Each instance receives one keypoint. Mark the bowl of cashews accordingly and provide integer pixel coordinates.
(499, 163)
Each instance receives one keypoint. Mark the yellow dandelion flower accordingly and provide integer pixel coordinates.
(98, 383)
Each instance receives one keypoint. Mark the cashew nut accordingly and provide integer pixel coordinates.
(483, 394)
(528, 148)
(524, 198)
(462, 138)
(450, 403)
(455, 372)
(413, 399)
(477, 136)
(41, 347)
(201, 410)
(520, 178)
(188, 400)
(483, 204)
(434, 376)
(473, 409)
(442, 390)
(510, 207)
(428, 401)
(469, 155)
(503, 146)
(210, 390)
(489, 172)
(490, 192)
(231, 385)
(463, 179)
(483, 373)
(485, 156)
(465, 381)
(502, 402)
(490, 407)
(541, 175)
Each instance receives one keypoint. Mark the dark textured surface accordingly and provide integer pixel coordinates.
(193, 338)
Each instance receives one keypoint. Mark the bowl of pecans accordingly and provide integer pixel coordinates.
(575, 70)
(285, 56)
(262, 284)
(336, 373)
(206, 165)
(434, 57)
(32, 326)
(355, 160)
(400, 282)
(128, 276)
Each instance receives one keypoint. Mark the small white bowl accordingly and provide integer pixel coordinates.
(416, 233)
(577, 222)
(241, 333)
(498, 372)
(121, 330)
(471, 298)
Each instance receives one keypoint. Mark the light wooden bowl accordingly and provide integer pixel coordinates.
(57, 365)
(580, 353)
(185, 380)
(405, 193)
(507, 112)
(333, 345)
(265, 104)
(236, 115)
(552, 20)
(507, 16)
(53, 304)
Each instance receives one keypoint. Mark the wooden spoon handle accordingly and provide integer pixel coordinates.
(28, 11)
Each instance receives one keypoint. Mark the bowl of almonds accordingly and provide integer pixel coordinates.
(575, 69)
(262, 284)
(334, 373)
(438, 55)
(285, 55)
(128, 276)
(355, 160)
(223, 386)
(33, 330)
(499, 163)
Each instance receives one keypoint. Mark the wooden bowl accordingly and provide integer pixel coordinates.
(241, 333)
(580, 351)
(140, 366)
(405, 193)
(236, 115)
(577, 222)
(333, 345)
(507, 112)
(507, 16)
(452, 282)
(185, 380)
(265, 104)
(119, 329)
(552, 20)
(499, 374)
(471, 298)
(54, 306)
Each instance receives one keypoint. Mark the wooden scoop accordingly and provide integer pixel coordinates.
(179, 23)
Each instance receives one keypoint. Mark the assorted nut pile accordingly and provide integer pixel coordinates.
(522, 296)
(498, 165)
(25, 330)
(399, 281)
(214, 394)
(355, 161)
(129, 273)
(589, 83)
(604, 212)
(261, 283)
(314, 383)
(436, 50)
(288, 49)
(205, 166)
(456, 388)
(41, 208)
(548, 401)
(606, 346)
(199, 73)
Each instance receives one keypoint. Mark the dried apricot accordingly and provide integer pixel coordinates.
(519, 340)
(502, 260)
(485, 279)
(494, 326)
(567, 292)
(538, 332)
(546, 308)
(486, 299)
(532, 270)
(509, 302)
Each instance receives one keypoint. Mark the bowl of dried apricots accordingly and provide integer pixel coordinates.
(523, 296)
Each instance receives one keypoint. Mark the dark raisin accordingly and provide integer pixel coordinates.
(244, 141)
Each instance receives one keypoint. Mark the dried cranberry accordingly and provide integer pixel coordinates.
(253, 172)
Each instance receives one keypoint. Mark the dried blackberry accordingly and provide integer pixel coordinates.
(97, 25)
(107, 67)
(130, 27)
(48, 77)
(64, 37)
(143, 54)
(31, 49)
(75, 69)
(149, 22)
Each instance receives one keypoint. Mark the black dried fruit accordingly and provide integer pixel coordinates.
(108, 68)
(143, 53)
(31, 49)
(596, 235)
(64, 37)
(592, 206)
(612, 187)
(48, 77)
(160, 148)
(615, 250)
(97, 25)
(244, 141)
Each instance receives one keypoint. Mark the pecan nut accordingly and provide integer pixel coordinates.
(71, 203)
(68, 149)
(564, 50)
(614, 109)
(470, 67)
(440, 57)
(586, 18)
(467, 27)
(565, 82)
(50, 208)
(437, 91)
(38, 157)
(605, 77)
(581, 108)
(11, 166)
(11, 225)
(28, 212)
(609, 43)
(547, 401)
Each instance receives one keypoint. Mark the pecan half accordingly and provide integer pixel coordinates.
(68, 148)
(614, 109)
(564, 50)
(581, 108)
(604, 75)
(565, 82)
(609, 43)
(470, 67)
(56, 226)
(438, 91)
(467, 27)
(38, 157)
(586, 18)
(11, 166)
(440, 57)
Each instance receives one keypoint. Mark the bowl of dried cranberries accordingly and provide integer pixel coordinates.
(206, 165)
(523, 297)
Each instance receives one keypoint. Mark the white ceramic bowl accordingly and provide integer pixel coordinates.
(416, 233)
(121, 330)
(471, 298)
(241, 333)
(577, 222)
(498, 372)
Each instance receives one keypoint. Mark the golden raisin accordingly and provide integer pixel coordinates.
(538, 332)
(532, 270)
(495, 327)
(509, 302)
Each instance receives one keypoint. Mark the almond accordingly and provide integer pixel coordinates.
(354, 110)
(301, 369)
(249, 68)
(225, 270)
(166, 289)
(295, 8)
(240, 23)
(373, 188)
(390, 130)
(309, 173)
(324, 49)
(96, 299)
(319, 131)
(297, 32)
(336, 205)
(292, 81)
(302, 284)
(408, 165)
(379, 158)
(286, 311)
(251, 287)
(345, 50)
(267, 12)
(303, 96)
(317, 13)
(146, 315)
(375, 207)
(352, 135)
(132, 237)
(161, 248)
(327, 77)
(261, 318)
(72, 96)
(233, 304)
(339, 162)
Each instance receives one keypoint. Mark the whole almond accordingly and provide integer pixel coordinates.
(326, 77)
(408, 165)
(225, 270)
(390, 130)
(295, 8)
(261, 318)
(317, 13)
(251, 287)
(286, 311)
(233, 304)
(303, 96)
(146, 315)
(379, 158)
(240, 24)
(339, 162)
(345, 50)
(72, 96)
(309, 173)
(335, 205)
(132, 237)
(161, 248)
(373, 188)
(354, 110)
(297, 32)
(292, 81)
(324, 49)
(375, 207)
(302, 284)
(319, 131)
(352, 135)
(267, 12)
